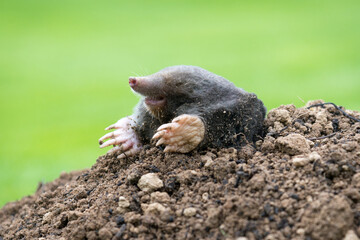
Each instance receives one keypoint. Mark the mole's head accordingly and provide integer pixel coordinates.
(171, 87)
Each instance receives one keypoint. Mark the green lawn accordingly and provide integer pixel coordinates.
(64, 67)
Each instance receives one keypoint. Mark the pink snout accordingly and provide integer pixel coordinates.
(132, 82)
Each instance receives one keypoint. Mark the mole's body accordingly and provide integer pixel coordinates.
(187, 107)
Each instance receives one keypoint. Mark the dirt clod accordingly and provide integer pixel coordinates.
(150, 182)
(292, 144)
(301, 181)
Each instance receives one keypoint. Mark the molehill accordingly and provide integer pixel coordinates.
(301, 181)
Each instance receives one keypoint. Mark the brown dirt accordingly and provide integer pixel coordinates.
(285, 187)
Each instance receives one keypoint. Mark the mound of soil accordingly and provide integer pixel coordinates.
(301, 181)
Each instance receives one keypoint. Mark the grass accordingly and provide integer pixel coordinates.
(64, 67)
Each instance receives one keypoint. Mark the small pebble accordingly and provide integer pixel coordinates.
(150, 182)
(189, 212)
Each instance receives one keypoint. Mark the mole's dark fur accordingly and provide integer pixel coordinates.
(231, 115)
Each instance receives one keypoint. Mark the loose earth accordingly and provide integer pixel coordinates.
(302, 181)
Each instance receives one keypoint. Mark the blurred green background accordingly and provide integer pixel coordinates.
(64, 67)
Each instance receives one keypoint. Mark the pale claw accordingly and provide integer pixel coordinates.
(122, 123)
(161, 141)
(168, 126)
(127, 148)
(124, 138)
(158, 134)
(130, 152)
(183, 134)
(113, 126)
(115, 141)
(165, 129)
(113, 134)
(115, 150)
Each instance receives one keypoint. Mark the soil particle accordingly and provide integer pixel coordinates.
(123, 204)
(301, 181)
(301, 161)
(105, 234)
(189, 212)
(150, 182)
(161, 197)
(292, 144)
(153, 208)
(356, 180)
(331, 218)
(351, 235)
(257, 182)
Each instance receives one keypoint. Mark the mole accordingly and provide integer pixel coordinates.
(184, 108)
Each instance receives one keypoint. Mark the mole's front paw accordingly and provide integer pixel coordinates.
(124, 139)
(183, 134)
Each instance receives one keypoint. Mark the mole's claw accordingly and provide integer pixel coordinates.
(115, 141)
(167, 126)
(158, 134)
(110, 127)
(183, 134)
(131, 152)
(114, 150)
(124, 139)
(124, 123)
(114, 126)
(161, 141)
(109, 135)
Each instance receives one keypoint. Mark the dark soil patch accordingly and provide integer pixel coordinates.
(301, 182)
